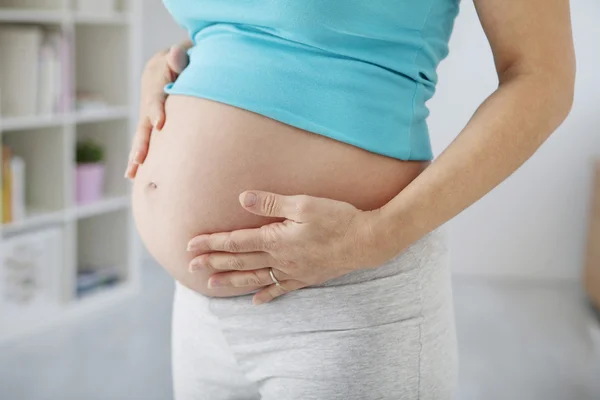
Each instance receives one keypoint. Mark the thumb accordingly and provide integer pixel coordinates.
(177, 59)
(295, 208)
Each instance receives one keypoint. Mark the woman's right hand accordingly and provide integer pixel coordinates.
(162, 69)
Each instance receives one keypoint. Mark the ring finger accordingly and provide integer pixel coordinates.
(234, 261)
(271, 292)
(257, 278)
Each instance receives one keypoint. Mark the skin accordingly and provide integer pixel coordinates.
(207, 153)
(535, 62)
(162, 69)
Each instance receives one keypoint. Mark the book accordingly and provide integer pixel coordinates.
(6, 186)
(46, 79)
(66, 73)
(90, 279)
(19, 46)
(47, 83)
(17, 180)
(51, 74)
(13, 186)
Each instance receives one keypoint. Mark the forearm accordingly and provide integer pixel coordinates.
(505, 131)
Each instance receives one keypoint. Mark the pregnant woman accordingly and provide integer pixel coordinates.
(284, 179)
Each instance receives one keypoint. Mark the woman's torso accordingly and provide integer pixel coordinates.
(262, 75)
(208, 153)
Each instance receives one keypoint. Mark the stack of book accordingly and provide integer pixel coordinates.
(34, 71)
(13, 186)
(93, 279)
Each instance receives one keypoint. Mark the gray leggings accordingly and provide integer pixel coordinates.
(386, 333)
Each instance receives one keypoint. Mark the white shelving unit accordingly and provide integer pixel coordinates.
(104, 60)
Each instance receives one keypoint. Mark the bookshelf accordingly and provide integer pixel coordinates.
(47, 250)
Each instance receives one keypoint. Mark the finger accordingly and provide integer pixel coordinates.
(258, 278)
(136, 157)
(296, 208)
(156, 111)
(131, 170)
(233, 262)
(141, 142)
(177, 59)
(240, 241)
(273, 291)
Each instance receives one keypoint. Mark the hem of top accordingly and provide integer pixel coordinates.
(417, 53)
(291, 119)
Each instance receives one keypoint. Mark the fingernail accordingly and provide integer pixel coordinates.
(257, 302)
(250, 199)
(214, 283)
(190, 246)
(195, 265)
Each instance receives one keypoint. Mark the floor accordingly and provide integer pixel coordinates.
(518, 341)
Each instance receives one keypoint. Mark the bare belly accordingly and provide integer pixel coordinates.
(208, 153)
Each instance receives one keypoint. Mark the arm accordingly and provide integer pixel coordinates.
(321, 239)
(535, 62)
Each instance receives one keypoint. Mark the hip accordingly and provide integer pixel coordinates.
(414, 286)
(386, 333)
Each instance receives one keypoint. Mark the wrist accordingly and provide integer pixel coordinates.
(399, 226)
(380, 233)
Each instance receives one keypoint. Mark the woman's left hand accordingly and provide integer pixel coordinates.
(320, 239)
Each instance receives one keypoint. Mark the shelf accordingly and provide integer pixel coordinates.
(99, 60)
(107, 114)
(40, 218)
(34, 219)
(101, 207)
(45, 121)
(32, 16)
(32, 122)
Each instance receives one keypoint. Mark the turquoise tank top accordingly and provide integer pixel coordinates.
(357, 71)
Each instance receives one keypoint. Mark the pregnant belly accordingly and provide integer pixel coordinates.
(208, 153)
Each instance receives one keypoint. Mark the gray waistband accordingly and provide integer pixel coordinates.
(431, 245)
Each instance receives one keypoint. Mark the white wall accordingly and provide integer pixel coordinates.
(534, 225)
(160, 31)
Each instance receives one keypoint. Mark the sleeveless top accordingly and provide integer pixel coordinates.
(357, 71)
